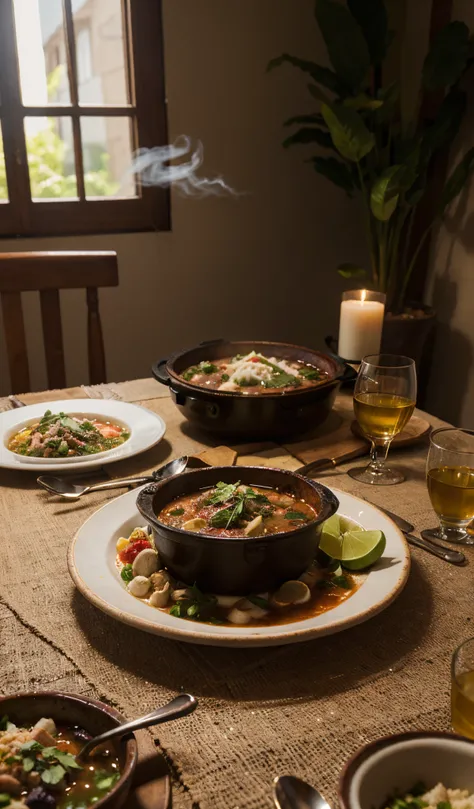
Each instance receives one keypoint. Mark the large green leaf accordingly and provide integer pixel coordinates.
(344, 41)
(447, 57)
(385, 194)
(362, 101)
(321, 75)
(309, 135)
(351, 271)
(348, 131)
(334, 170)
(372, 18)
(446, 124)
(457, 180)
(312, 118)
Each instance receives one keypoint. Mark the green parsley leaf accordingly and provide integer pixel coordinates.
(223, 492)
(444, 805)
(177, 512)
(104, 780)
(208, 368)
(5, 800)
(193, 611)
(53, 775)
(342, 581)
(127, 573)
(309, 373)
(4, 722)
(296, 515)
(67, 760)
(176, 610)
(225, 378)
(28, 763)
(30, 747)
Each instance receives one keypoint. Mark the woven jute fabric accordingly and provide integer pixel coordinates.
(301, 709)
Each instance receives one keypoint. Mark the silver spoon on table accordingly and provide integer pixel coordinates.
(64, 487)
(180, 706)
(290, 792)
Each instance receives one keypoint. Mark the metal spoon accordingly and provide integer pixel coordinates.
(290, 792)
(180, 706)
(63, 487)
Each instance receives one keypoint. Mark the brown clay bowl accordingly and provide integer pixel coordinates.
(258, 416)
(95, 717)
(236, 565)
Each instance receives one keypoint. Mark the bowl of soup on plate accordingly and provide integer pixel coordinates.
(236, 530)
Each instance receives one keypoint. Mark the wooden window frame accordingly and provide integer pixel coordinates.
(149, 210)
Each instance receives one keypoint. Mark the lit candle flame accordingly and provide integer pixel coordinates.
(363, 295)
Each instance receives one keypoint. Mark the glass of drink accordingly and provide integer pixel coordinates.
(450, 478)
(462, 689)
(384, 400)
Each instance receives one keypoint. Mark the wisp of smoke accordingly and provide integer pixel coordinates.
(151, 168)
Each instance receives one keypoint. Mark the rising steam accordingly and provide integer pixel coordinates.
(152, 167)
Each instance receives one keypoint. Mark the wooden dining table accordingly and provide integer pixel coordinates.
(302, 709)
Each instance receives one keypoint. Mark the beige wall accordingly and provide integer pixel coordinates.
(260, 266)
(450, 286)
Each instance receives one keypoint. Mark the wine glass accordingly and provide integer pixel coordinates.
(384, 400)
(450, 478)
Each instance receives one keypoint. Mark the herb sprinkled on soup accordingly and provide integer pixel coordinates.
(254, 373)
(234, 510)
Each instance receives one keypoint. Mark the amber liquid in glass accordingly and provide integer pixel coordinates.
(382, 415)
(462, 704)
(451, 490)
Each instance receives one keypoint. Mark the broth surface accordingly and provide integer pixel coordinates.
(253, 373)
(234, 510)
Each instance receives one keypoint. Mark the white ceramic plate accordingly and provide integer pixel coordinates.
(146, 429)
(91, 561)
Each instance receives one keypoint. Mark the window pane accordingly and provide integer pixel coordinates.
(41, 52)
(3, 175)
(100, 52)
(107, 155)
(51, 160)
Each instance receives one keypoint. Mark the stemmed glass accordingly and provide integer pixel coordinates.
(384, 400)
(450, 478)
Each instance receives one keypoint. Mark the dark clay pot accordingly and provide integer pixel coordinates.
(411, 336)
(256, 417)
(236, 565)
(93, 716)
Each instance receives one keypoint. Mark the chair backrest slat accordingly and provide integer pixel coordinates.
(15, 340)
(47, 273)
(95, 341)
(53, 338)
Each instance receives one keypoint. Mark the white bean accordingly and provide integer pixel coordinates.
(139, 586)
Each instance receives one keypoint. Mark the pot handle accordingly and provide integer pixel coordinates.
(160, 373)
(349, 374)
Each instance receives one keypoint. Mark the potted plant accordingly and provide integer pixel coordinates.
(372, 152)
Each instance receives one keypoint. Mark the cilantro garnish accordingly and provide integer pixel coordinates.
(296, 515)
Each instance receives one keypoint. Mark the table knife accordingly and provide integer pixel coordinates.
(432, 546)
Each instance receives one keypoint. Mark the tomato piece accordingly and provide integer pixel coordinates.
(255, 359)
(128, 555)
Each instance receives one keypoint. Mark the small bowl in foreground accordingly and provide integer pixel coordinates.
(236, 565)
(394, 764)
(94, 716)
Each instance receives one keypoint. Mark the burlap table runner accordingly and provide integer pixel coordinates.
(300, 709)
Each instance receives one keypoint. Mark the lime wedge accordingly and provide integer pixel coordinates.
(331, 537)
(361, 549)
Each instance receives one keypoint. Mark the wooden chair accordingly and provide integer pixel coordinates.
(47, 273)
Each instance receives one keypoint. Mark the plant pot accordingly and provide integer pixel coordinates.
(408, 333)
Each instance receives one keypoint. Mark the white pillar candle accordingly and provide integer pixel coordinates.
(361, 323)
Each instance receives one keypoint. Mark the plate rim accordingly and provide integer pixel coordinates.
(245, 641)
(101, 459)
